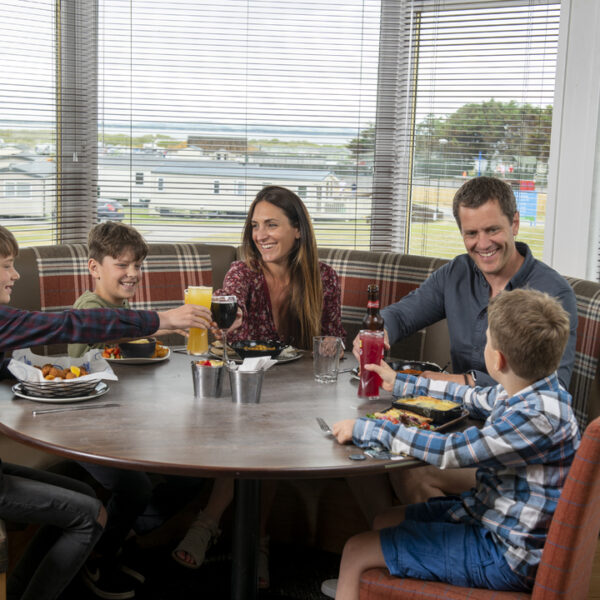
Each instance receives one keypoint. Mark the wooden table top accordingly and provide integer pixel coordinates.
(160, 426)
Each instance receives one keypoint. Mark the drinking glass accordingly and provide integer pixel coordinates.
(371, 352)
(224, 311)
(201, 296)
(326, 358)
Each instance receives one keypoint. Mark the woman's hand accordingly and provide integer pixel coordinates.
(342, 431)
(387, 374)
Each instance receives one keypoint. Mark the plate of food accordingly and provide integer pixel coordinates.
(115, 354)
(99, 390)
(237, 351)
(409, 367)
(423, 412)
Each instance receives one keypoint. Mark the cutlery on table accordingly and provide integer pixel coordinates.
(323, 425)
(66, 408)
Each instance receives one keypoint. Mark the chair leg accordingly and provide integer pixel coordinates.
(2, 586)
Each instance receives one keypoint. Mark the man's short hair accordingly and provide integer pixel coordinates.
(531, 329)
(8, 243)
(114, 239)
(476, 192)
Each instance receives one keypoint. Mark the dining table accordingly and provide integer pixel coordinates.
(155, 423)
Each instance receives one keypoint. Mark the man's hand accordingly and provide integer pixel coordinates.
(387, 374)
(184, 317)
(356, 345)
(342, 430)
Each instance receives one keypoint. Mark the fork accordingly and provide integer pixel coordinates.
(323, 425)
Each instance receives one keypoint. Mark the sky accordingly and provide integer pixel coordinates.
(280, 63)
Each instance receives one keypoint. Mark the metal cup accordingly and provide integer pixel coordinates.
(208, 381)
(245, 385)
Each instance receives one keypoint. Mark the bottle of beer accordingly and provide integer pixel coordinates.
(373, 320)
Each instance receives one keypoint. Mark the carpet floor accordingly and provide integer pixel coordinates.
(296, 574)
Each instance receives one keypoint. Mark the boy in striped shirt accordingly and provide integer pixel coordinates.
(491, 536)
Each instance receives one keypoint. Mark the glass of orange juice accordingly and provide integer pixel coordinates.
(200, 295)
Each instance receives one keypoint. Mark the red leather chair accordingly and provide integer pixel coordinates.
(566, 566)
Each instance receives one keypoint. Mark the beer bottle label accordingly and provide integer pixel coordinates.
(373, 304)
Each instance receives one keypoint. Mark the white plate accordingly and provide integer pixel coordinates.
(98, 391)
(139, 361)
(235, 358)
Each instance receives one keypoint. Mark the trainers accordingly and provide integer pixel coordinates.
(108, 581)
(329, 587)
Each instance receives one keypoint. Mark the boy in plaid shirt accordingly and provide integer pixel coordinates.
(491, 536)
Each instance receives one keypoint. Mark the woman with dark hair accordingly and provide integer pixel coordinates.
(281, 283)
(285, 294)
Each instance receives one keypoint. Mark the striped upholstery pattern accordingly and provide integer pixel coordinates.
(566, 565)
(168, 270)
(396, 274)
(588, 346)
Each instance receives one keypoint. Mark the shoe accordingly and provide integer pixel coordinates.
(131, 562)
(202, 532)
(108, 581)
(329, 587)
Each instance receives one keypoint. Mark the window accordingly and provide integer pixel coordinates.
(474, 96)
(375, 104)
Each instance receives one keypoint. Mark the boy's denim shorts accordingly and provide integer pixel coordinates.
(427, 545)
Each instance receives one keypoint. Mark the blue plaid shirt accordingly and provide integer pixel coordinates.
(522, 453)
(23, 329)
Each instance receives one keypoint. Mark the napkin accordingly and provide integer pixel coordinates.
(257, 363)
(23, 366)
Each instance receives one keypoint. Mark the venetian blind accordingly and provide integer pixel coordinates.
(48, 120)
(472, 95)
(202, 104)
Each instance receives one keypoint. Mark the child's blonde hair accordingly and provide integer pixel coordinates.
(531, 329)
(8, 243)
(113, 239)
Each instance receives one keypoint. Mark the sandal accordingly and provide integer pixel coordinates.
(263, 564)
(196, 542)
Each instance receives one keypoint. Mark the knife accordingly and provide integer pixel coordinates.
(66, 408)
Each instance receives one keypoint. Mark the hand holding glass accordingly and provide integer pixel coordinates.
(198, 340)
(224, 311)
(371, 349)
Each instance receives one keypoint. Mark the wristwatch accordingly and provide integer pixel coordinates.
(473, 375)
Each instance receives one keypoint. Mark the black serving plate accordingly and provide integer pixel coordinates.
(457, 419)
(250, 348)
(439, 416)
(400, 364)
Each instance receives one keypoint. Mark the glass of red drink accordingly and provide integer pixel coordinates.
(371, 352)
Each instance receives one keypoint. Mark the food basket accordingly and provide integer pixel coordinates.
(24, 366)
(439, 411)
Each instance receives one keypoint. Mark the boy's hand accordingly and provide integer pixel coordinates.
(356, 345)
(387, 374)
(184, 317)
(182, 332)
(342, 431)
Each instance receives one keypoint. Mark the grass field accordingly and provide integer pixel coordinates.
(440, 238)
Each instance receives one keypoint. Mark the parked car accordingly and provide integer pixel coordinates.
(110, 210)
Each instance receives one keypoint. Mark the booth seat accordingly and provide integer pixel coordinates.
(52, 277)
